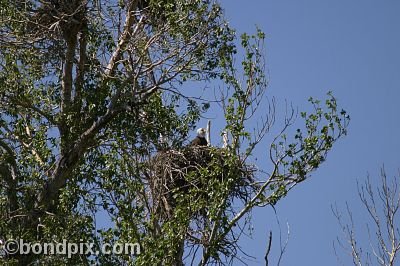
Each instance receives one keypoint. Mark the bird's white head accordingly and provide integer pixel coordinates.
(201, 132)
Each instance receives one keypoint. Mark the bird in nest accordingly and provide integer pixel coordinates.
(200, 139)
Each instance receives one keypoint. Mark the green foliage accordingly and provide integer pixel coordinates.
(87, 91)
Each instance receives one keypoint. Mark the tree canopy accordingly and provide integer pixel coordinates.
(88, 87)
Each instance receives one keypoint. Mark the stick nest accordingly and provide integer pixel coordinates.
(176, 173)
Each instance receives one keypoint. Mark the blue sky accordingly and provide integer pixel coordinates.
(352, 49)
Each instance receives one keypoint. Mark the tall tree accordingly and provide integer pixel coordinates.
(88, 87)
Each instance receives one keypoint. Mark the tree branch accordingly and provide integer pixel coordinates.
(124, 39)
(268, 248)
(10, 173)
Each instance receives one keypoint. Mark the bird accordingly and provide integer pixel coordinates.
(163, 143)
(200, 140)
(225, 139)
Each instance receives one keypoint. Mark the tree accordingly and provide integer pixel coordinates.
(88, 87)
(382, 204)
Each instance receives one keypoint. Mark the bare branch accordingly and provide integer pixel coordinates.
(384, 228)
(268, 248)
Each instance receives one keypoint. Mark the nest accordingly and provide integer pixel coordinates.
(55, 17)
(178, 172)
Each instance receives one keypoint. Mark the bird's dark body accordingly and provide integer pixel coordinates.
(198, 141)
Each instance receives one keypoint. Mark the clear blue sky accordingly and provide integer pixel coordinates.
(353, 49)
